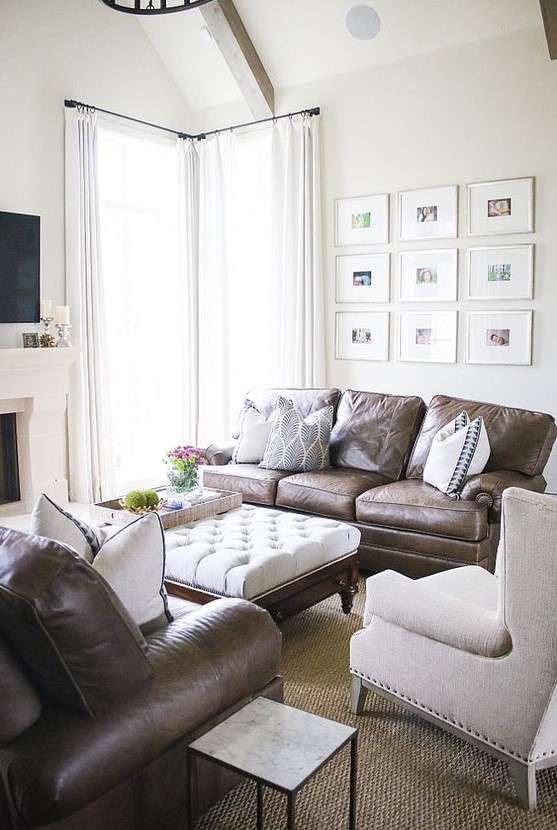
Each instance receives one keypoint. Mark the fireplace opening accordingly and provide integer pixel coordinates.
(9, 466)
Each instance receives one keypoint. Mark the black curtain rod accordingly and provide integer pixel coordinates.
(200, 136)
(74, 104)
(310, 112)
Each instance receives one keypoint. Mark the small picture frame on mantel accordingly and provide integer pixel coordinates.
(30, 340)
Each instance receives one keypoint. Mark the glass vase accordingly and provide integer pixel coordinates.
(182, 484)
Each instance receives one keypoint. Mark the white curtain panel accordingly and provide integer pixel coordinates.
(280, 340)
(217, 353)
(91, 471)
(188, 232)
(299, 354)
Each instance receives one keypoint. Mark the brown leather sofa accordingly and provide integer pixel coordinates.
(95, 719)
(378, 448)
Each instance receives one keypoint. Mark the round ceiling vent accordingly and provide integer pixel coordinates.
(363, 22)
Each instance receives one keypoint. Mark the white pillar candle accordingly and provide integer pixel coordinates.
(46, 308)
(62, 315)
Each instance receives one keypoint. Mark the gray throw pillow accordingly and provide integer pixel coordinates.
(298, 444)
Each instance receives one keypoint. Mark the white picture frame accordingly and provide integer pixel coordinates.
(502, 272)
(427, 336)
(428, 213)
(503, 337)
(499, 207)
(362, 335)
(363, 220)
(363, 278)
(427, 276)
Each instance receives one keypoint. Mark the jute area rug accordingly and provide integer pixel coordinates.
(411, 774)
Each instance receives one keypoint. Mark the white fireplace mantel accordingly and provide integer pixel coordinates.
(34, 383)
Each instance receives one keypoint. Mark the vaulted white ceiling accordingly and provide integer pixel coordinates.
(300, 41)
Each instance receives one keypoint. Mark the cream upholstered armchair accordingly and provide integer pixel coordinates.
(475, 653)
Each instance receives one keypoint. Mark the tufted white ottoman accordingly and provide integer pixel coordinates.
(282, 561)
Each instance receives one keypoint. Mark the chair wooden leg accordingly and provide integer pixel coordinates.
(524, 780)
(358, 695)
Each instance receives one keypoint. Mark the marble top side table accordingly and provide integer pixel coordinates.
(277, 746)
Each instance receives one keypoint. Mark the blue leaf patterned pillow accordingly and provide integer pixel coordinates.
(298, 444)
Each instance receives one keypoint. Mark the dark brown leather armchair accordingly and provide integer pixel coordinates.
(94, 718)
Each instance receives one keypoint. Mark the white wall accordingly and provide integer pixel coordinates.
(49, 51)
(479, 113)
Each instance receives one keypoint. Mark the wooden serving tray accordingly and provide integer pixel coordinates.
(112, 511)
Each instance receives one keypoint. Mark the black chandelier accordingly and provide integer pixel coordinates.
(153, 6)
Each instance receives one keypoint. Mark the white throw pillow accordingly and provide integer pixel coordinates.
(253, 432)
(131, 559)
(459, 450)
(48, 519)
(298, 444)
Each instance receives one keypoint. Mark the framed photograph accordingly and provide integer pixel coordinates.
(505, 206)
(499, 337)
(30, 340)
(362, 335)
(501, 272)
(429, 336)
(362, 221)
(363, 278)
(429, 213)
(427, 275)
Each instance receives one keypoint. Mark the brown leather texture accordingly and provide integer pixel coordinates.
(413, 505)
(326, 492)
(520, 440)
(417, 554)
(375, 432)
(256, 484)
(15, 686)
(204, 664)
(92, 656)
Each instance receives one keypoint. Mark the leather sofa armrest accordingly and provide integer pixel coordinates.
(219, 454)
(428, 612)
(487, 488)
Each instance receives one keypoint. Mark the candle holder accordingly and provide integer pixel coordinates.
(47, 321)
(63, 335)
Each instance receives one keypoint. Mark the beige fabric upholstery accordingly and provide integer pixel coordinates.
(474, 652)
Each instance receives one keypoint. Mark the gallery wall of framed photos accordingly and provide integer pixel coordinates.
(412, 284)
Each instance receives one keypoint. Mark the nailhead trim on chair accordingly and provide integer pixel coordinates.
(439, 715)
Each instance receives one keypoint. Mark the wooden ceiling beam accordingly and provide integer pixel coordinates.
(230, 35)
(549, 15)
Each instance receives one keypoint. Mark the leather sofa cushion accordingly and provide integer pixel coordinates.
(375, 432)
(519, 439)
(326, 492)
(24, 707)
(256, 484)
(416, 506)
(305, 401)
(66, 625)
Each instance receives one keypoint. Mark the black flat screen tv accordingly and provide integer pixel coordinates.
(20, 268)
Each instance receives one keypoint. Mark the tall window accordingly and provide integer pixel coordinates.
(141, 300)
(144, 295)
